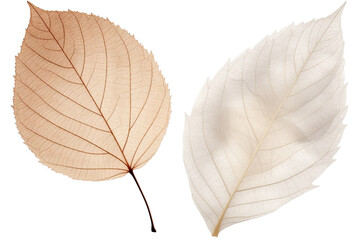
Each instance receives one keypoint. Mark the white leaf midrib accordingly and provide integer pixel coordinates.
(217, 227)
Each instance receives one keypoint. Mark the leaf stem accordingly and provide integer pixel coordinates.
(142, 194)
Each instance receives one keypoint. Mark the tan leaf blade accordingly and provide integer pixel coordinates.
(268, 124)
(89, 100)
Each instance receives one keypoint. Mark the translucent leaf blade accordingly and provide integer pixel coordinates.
(89, 100)
(268, 124)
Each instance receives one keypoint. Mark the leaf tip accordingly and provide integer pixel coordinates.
(341, 8)
(339, 11)
(31, 5)
(34, 10)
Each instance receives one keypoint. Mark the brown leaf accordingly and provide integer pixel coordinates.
(89, 100)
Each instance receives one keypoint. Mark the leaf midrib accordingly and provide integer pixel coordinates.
(217, 227)
(92, 98)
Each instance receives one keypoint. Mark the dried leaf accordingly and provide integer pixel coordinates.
(89, 100)
(268, 124)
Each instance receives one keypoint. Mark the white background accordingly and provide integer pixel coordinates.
(191, 40)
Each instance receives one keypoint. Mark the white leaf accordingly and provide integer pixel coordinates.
(268, 124)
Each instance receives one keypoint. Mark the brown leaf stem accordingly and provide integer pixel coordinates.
(142, 194)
